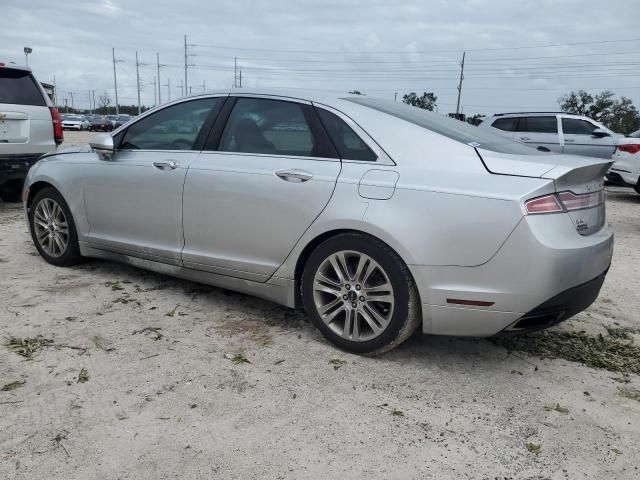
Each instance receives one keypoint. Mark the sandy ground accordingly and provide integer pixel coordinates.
(162, 400)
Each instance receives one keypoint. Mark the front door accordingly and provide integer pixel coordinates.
(134, 201)
(580, 140)
(248, 203)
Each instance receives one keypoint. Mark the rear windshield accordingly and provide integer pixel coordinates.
(454, 129)
(19, 87)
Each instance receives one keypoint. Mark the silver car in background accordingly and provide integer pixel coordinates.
(375, 217)
(556, 132)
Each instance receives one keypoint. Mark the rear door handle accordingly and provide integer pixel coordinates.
(543, 149)
(168, 165)
(525, 138)
(569, 140)
(295, 176)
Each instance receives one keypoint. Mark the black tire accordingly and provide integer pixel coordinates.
(71, 254)
(406, 314)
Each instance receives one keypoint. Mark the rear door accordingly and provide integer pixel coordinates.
(539, 132)
(25, 120)
(268, 172)
(134, 201)
(579, 139)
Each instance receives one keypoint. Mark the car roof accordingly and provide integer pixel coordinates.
(318, 96)
(14, 66)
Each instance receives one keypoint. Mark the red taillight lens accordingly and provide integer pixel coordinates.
(564, 202)
(58, 134)
(571, 201)
(635, 148)
(546, 204)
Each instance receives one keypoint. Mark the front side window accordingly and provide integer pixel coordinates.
(538, 125)
(172, 128)
(574, 126)
(349, 145)
(274, 127)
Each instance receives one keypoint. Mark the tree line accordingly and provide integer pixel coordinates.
(617, 114)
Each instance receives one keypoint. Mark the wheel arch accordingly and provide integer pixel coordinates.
(306, 252)
(36, 187)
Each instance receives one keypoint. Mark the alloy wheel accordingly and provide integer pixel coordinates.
(353, 295)
(51, 227)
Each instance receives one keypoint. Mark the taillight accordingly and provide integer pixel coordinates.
(546, 204)
(632, 148)
(58, 134)
(564, 202)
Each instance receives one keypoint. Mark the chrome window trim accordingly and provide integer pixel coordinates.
(271, 155)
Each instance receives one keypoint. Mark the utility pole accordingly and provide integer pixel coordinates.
(235, 72)
(72, 107)
(460, 84)
(154, 90)
(115, 79)
(93, 95)
(395, 97)
(181, 89)
(90, 106)
(204, 88)
(168, 85)
(158, 65)
(185, 60)
(240, 78)
(55, 92)
(138, 81)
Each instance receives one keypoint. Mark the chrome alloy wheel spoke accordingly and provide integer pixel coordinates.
(353, 295)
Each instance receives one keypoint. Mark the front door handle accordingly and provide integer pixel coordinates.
(295, 176)
(525, 138)
(569, 140)
(168, 165)
(543, 149)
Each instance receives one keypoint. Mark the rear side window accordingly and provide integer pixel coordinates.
(538, 125)
(506, 124)
(266, 126)
(574, 126)
(349, 145)
(20, 88)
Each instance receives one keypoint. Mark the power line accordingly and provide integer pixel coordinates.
(395, 52)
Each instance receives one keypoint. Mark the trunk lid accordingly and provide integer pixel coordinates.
(581, 176)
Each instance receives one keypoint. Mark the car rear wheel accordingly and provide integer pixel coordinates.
(53, 230)
(360, 294)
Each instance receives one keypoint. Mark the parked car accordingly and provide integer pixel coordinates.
(100, 124)
(121, 120)
(626, 169)
(555, 132)
(376, 217)
(75, 122)
(29, 127)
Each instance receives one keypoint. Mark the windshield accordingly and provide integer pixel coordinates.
(462, 132)
(73, 119)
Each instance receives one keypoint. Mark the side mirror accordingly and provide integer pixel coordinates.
(103, 146)
(599, 133)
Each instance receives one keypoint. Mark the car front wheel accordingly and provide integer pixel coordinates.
(360, 294)
(52, 228)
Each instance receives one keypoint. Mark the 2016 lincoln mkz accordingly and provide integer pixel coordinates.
(374, 216)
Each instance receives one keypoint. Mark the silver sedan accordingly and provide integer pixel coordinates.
(375, 217)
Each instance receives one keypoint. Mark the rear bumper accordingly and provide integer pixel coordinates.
(559, 308)
(15, 167)
(542, 259)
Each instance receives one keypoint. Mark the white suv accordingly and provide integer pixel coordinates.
(557, 132)
(29, 127)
